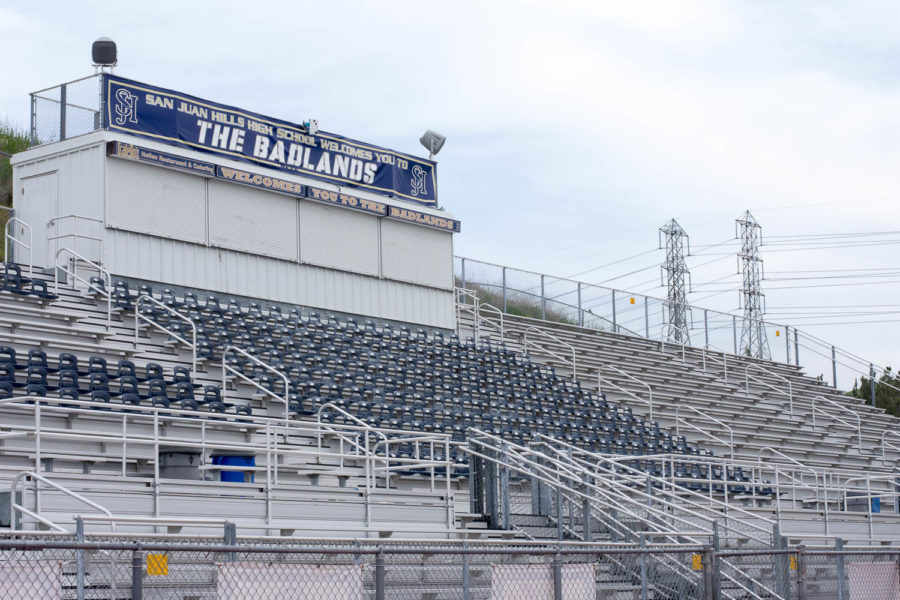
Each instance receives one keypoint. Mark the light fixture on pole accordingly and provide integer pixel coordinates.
(433, 142)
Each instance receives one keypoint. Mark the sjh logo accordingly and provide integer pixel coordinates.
(418, 181)
(126, 107)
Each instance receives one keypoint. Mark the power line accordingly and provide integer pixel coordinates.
(615, 262)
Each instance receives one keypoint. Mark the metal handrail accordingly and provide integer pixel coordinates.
(14, 506)
(884, 443)
(15, 240)
(368, 429)
(597, 459)
(679, 419)
(138, 316)
(480, 318)
(669, 328)
(226, 368)
(614, 498)
(74, 273)
(631, 377)
(552, 338)
(704, 352)
(836, 418)
(748, 377)
(802, 466)
(75, 235)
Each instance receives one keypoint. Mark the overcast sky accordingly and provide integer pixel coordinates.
(575, 129)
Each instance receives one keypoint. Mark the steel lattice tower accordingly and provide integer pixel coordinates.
(753, 333)
(675, 272)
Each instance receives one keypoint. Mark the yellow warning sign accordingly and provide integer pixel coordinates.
(697, 562)
(793, 562)
(631, 300)
(157, 564)
(777, 333)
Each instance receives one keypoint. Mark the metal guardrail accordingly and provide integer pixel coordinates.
(139, 316)
(75, 257)
(648, 402)
(841, 408)
(226, 368)
(54, 222)
(15, 240)
(679, 420)
(555, 340)
(15, 507)
(748, 378)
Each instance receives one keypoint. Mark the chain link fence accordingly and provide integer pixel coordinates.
(377, 570)
(66, 110)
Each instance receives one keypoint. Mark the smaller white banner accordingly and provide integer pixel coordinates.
(873, 581)
(30, 579)
(261, 581)
(527, 582)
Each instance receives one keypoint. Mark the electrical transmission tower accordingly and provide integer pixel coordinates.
(753, 332)
(675, 272)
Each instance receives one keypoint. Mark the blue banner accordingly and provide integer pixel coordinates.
(175, 118)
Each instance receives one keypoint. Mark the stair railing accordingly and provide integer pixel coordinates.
(228, 369)
(140, 317)
(748, 378)
(840, 408)
(682, 421)
(15, 507)
(28, 246)
(64, 267)
(648, 401)
(564, 359)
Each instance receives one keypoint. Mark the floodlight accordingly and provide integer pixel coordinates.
(103, 52)
(433, 142)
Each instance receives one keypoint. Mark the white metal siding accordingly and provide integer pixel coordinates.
(338, 238)
(255, 221)
(163, 202)
(416, 254)
(228, 272)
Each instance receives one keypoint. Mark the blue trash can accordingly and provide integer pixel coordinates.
(232, 461)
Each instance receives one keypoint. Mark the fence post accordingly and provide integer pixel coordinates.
(801, 573)
(586, 512)
(231, 539)
(734, 332)
(646, 317)
(644, 587)
(557, 576)
(379, 575)
(467, 583)
(490, 492)
(781, 570)
(839, 567)
(787, 344)
(706, 328)
(580, 311)
(504, 488)
(462, 275)
(543, 302)
(615, 326)
(709, 590)
(872, 383)
(560, 534)
(504, 288)
(62, 112)
(137, 574)
(79, 537)
(834, 367)
(33, 120)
